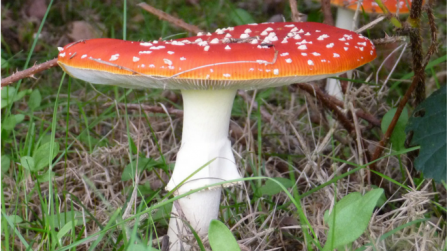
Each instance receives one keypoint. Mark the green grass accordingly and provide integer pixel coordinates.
(78, 200)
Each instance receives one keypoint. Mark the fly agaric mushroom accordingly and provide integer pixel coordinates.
(345, 20)
(209, 68)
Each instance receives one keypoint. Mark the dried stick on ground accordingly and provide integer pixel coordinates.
(326, 9)
(28, 72)
(334, 102)
(171, 19)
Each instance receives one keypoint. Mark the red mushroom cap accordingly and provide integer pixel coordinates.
(244, 57)
(370, 6)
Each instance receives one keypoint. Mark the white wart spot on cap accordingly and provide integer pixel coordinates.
(244, 35)
(145, 44)
(170, 52)
(284, 54)
(275, 71)
(144, 52)
(322, 37)
(310, 62)
(330, 45)
(316, 54)
(84, 56)
(167, 61)
(247, 31)
(182, 58)
(206, 48)
(60, 49)
(227, 75)
(302, 47)
(214, 41)
(114, 57)
(135, 59)
(303, 54)
(227, 47)
(336, 55)
(62, 54)
(288, 60)
(178, 43)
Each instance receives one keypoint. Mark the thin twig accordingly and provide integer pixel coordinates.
(28, 72)
(171, 19)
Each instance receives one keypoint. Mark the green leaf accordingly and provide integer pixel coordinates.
(8, 92)
(34, 100)
(65, 229)
(41, 159)
(4, 63)
(143, 164)
(162, 214)
(271, 188)
(429, 131)
(28, 163)
(221, 238)
(352, 215)
(398, 136)
(6, 163)
(61, 219)
(15, 219)
(10, 122)
(21, 94)
(241, 16)
(46, 176)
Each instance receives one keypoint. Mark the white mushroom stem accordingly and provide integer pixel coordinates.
(345, 20)
(205, 140)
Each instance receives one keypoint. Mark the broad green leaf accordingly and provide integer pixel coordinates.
(163, 213)
(429, 131)
(398, 136)
(143, 164)
(61, 219)
(34, 100)
(221, 238)
(28, 163)
(8, 94)
(41, 159)
(65, 229)
(21, 94)
(10, 122)
(271, 188)
(4, 63)
(241, 16)
(46, 177)
(15, 219)
(6, 163)
(352, 215)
